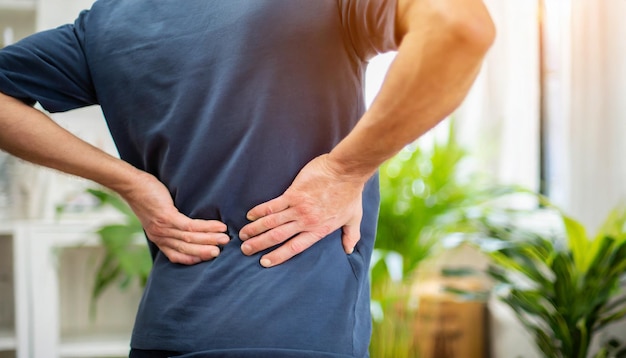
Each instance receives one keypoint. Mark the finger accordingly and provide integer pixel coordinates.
(202, 252)
(268, 208)
(184, 223)
(264, 224)
(200, 238)
(197, 238)
(290, 249)
(351, 232)
(178, 258)
(350, 236)
(270, 238)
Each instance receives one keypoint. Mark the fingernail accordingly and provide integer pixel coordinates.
(266, 263)
(250, 217)
(243, 236)
(350, 251)
(246, 249)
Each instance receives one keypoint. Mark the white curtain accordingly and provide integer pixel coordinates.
(585, 87)
(592, 177)
(499, 120)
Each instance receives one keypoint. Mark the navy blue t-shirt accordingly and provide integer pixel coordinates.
(224, 102)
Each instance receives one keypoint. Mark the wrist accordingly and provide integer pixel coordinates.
(349, 169)
(129, 180)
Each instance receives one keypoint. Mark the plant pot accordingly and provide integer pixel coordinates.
(447, 325)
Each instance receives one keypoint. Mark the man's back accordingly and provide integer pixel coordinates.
(224, 102)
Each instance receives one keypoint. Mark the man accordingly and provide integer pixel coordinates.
(246, 151)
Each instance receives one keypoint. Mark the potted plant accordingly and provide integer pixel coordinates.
(564, 287)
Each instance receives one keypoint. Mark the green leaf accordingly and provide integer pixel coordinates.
(579, 243)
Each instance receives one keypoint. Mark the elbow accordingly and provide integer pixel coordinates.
(474, 31)
(464, 23)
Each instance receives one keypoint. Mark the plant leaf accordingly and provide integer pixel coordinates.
(578, 243)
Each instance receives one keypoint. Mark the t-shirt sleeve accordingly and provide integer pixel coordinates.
(370, 26)
(50, 68)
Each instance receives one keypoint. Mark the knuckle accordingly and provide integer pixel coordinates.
(295, 247)
(268, 211)
(187, 226)
(270, 222)
(180, 247)
(186, 237)
(311, 220)
(276, 236)
(303, 210)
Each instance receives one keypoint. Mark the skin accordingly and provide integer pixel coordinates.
(420, 90)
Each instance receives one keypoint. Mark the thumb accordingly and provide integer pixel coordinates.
(351, 234)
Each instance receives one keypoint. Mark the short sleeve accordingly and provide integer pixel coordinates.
(370, 25)
(49, 67)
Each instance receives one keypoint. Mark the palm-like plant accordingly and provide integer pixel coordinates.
(563, 290)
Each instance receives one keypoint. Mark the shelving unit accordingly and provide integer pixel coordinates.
(18, 5)
(8, 341)
(57, 260)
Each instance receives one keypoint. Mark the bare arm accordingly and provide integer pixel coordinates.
(29, 134)
(442, 45)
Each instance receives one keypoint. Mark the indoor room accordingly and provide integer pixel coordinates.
(500, 232)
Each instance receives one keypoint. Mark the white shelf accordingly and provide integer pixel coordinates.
(6, 227)
(19, 5)
(95, 345)
(7, 340)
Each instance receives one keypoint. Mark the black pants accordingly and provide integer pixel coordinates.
(140, 353)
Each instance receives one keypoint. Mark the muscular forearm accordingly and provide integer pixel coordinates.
(29, 134)
(442, 46)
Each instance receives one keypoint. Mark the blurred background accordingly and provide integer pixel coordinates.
(487, 242)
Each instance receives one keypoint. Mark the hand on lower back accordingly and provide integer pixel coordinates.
(318, 202)
(183, 240)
